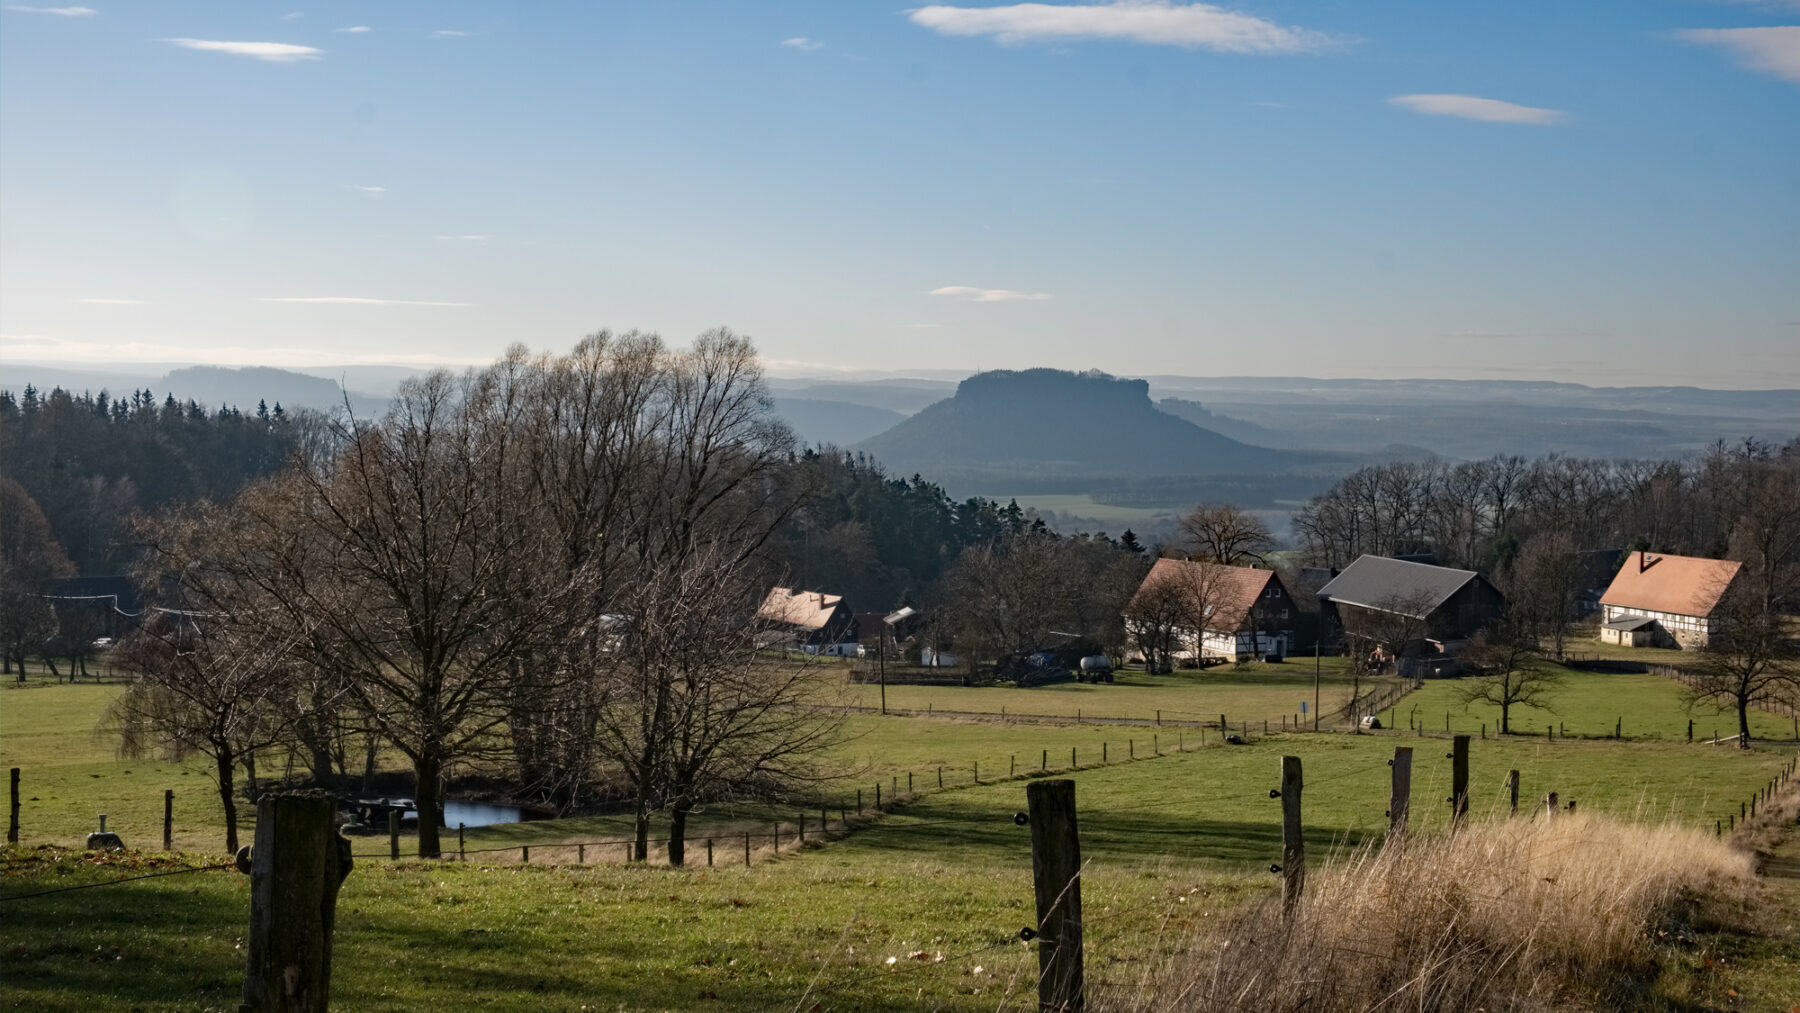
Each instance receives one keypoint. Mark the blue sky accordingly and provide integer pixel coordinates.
(1600, 192)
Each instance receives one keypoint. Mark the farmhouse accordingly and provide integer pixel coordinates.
(1665, 601)
(811, 621)
(1210, 610)
(1408, 609)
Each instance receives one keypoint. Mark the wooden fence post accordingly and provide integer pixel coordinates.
(525, 855)
(1550, 804)
(1293, 848)
(296, 865)
(1044, 764)
(1512, 791)
(1400, 795)
(581, 854)
(940, 777)
(1056, 879)
(12, 821)
(168, 819)
(1459, 780)
(394, 834)
(1072, 763)
(709, 852)
(462, 854)
(746, 849)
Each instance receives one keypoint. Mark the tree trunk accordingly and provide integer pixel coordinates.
(425, 796)
(641, 850)
(370, 745)
(1743, 709)
(678, 833)
(1505, 718)
(226, 764)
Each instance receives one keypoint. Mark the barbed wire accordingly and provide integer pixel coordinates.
(118, 882)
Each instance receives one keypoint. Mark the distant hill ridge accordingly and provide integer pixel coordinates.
(1038, 422)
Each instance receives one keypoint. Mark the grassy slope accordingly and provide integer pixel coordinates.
(1198, 825)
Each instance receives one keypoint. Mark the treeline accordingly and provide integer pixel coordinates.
(1479, 514)
(91, 461)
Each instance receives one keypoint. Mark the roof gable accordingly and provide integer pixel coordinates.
(1379, 582)
(1231, 592)
(811, 609)
(1681, 585)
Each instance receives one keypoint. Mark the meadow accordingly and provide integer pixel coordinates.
(915, 908)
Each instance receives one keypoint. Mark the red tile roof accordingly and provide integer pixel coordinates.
(1232, 591)
(1682, 585)
(811, 609)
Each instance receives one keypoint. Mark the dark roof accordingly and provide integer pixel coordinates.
(1379, 582)
(1626, 624)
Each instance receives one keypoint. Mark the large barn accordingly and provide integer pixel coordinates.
(1411, 609)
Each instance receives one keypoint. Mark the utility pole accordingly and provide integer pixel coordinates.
(1315, 685)
(881, 662)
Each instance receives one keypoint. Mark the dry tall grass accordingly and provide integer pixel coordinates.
(1512, 915)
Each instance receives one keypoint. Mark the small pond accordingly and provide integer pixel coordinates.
(475, 814)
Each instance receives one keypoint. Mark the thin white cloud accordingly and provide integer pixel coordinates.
(971, 294)
(800, 42)
(45, 347)
(273, 52)
(1486, 110)
(1151, 22)
(372, 191)
(61, 12)
(1773, 50)
(292, 16)
(466, 237)
(353, 30)
(113, 302)
(351, 300)
(450, 33)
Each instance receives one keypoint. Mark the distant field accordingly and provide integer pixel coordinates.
(1256, 692)
(1115, 519)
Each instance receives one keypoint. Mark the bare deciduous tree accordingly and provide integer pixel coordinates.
(1753, 658)
(1508, 671)
(693, 715)
(202, 687)
(1224, 533)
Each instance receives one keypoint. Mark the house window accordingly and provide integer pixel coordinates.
(1284, 613)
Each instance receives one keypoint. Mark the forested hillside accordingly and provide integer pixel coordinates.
(91, 461)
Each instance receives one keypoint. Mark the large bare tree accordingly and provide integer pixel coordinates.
(1225, 533)
(694, 715)
(1754, 659)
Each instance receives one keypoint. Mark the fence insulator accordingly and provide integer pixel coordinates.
(1021, 818)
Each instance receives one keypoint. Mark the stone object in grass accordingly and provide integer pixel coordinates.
(1234, 739)
(102, 840)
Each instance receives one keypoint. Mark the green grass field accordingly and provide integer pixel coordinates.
(1170, 842)
(1254, 692)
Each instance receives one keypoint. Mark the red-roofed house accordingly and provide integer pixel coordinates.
(1210, 610)
(818, 622)
(1665, 601)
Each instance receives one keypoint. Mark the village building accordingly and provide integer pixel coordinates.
(1212, 611)
(810, 621)
(1418, 613)
(1659, 600)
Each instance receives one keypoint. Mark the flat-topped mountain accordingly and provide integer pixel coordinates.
(1043, 422)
